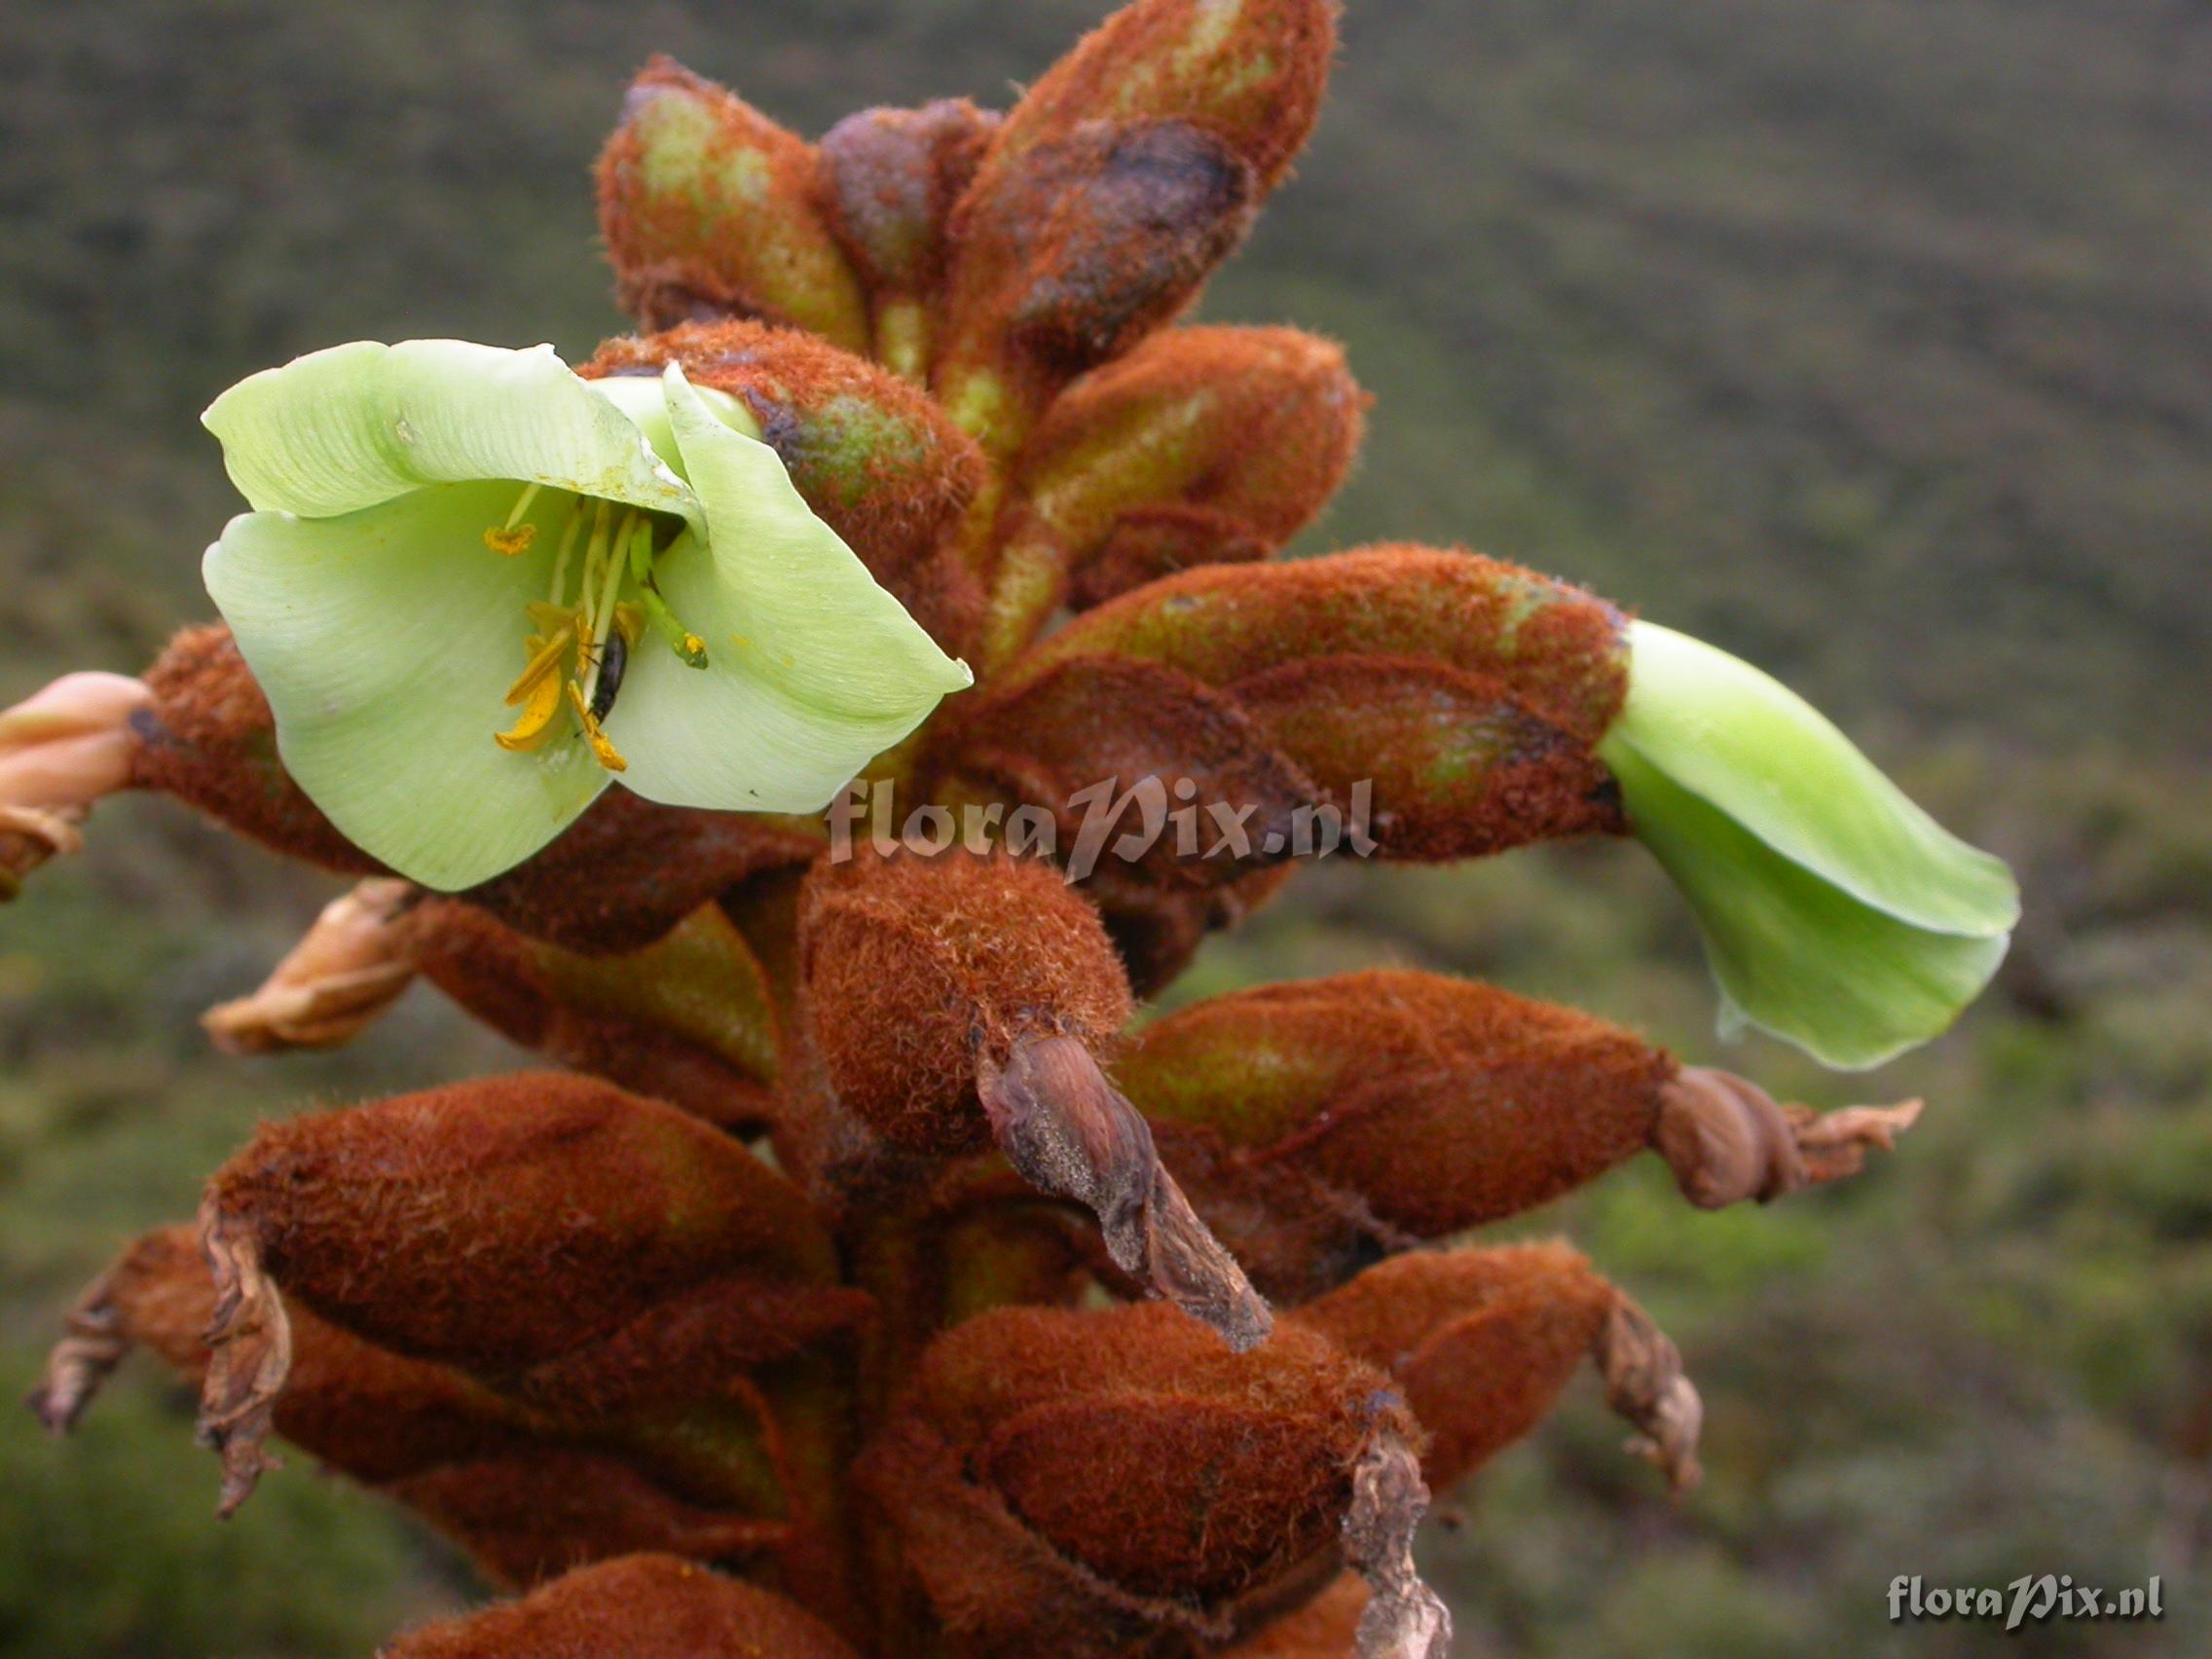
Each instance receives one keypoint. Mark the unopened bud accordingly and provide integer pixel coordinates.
(1483, 1341)
(1116, 185)
(710, 210)
(641, 1606)
(1202, 446)
(891, 177)
(341, 979)
(1318, 1121)
(424, 1223)
(1516, 677)
(1084, 1484)
(915, 967)
(61, 749)
(527, 1494)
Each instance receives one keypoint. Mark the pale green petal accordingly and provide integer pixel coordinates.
(1793, 954)
(386, 641)
(813, 668)
(641, 398)
(1725, 732)
(349, 427)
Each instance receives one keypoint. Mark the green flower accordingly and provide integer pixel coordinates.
(475, 586)
(1836, 913)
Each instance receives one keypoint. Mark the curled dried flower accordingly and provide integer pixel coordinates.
(346, 971)
(710, 210)
(641, 1606)
(872, 454)
(1201, 446)
(1727, 1140)
(1077, 1484)
(61, 749)
(1483, 1341)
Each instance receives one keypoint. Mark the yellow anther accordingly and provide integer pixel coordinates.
(604, 752)
(510, 541)
(536, 719)
(541, 666)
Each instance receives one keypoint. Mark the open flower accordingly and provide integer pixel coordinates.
(1836, 913)
(475, 587)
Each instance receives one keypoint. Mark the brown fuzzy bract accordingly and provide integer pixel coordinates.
(502, 1224)
(1316, 1122)
(732, 226)
(687, 1019)
(1076, 1483)
(1482, 1341)
(641, 1606)
(913, 966)
(890, 178)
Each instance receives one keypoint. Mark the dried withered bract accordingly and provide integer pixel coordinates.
(527, 1494)
(1114, 186)
(641, 1606)
(1077, 1484)
(914, 967)
(1201, 446)
(873, 456)
(710, 210)
(1483, 1340)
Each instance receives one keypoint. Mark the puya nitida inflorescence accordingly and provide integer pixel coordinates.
(873, 1281)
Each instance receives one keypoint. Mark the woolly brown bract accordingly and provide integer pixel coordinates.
(1102, 1484)
(641, 1606)
(709, 209)
(828, 1302)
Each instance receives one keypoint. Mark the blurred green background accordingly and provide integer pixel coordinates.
(1873, 341)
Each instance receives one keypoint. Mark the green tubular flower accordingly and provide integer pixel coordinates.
(1836, 913)
(475, 586)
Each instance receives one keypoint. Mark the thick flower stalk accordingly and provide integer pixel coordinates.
(878, 1281)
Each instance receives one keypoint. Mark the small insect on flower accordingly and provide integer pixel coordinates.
(423, 510)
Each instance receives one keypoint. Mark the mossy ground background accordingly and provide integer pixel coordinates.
(1872, 342)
